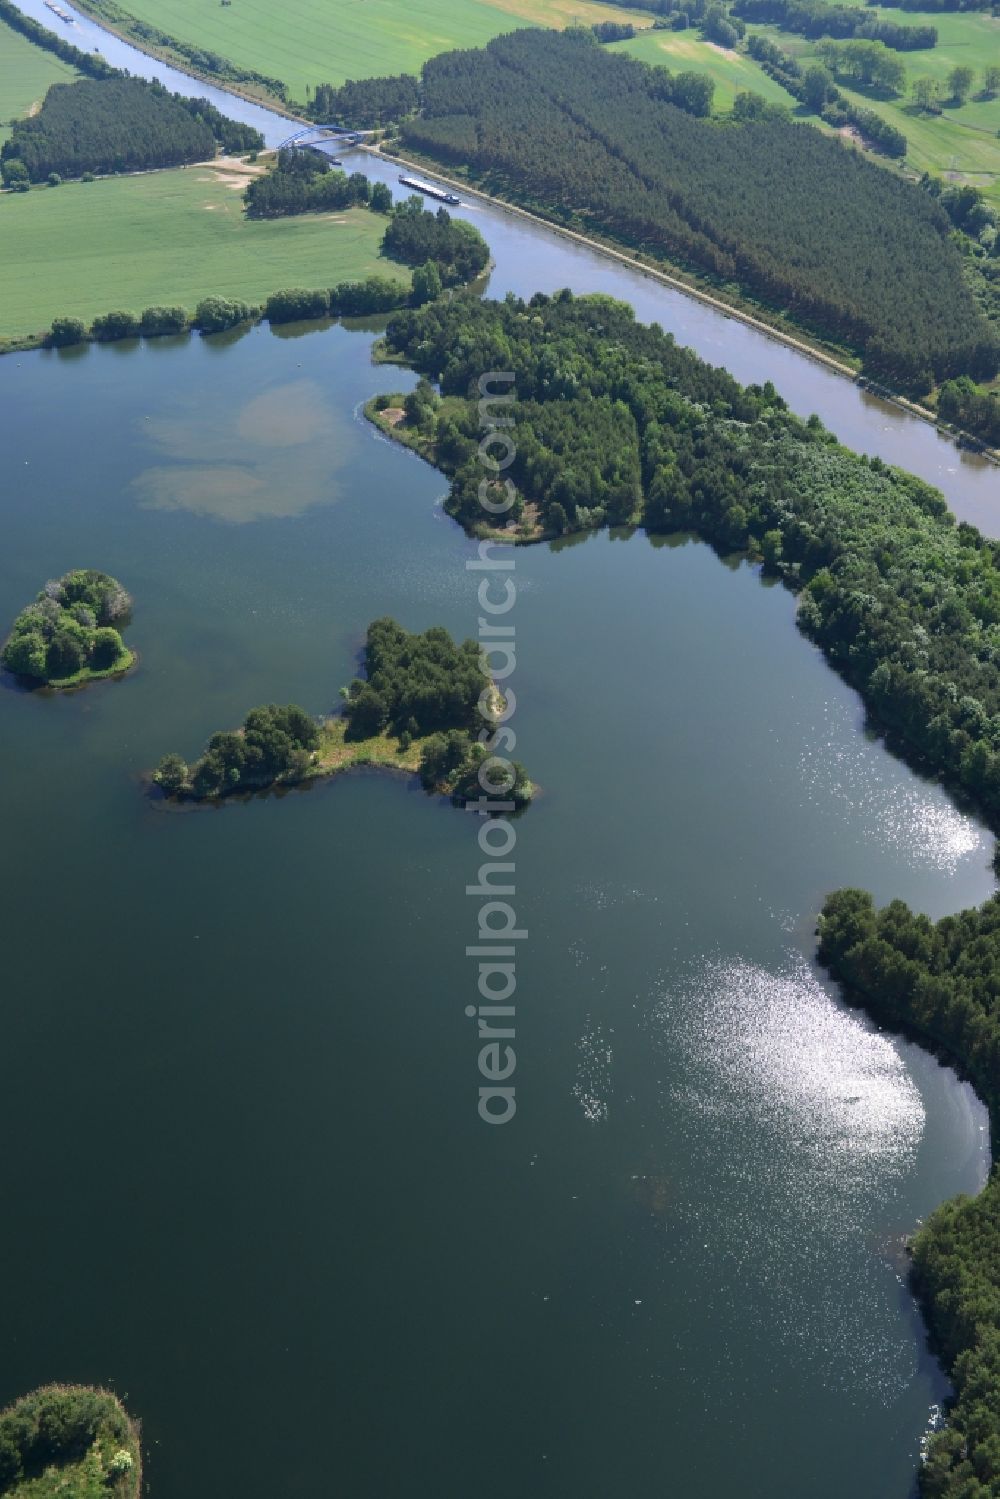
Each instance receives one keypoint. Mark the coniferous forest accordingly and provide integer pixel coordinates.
(365, 103)
(120, 124)
(855, 254)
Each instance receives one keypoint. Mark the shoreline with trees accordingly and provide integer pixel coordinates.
(937, 983)
(682, 446)
(71, 1440)
(903, 602)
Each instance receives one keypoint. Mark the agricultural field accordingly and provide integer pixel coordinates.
(166, 237)
(26, 74)
(961, 142)
(307, 42)
(684, 52)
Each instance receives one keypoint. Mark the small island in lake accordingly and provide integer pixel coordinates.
(426, 707)
(71, 633)
(69, 1442)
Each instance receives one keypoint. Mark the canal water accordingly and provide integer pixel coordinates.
(246, 1180)
(531, 257)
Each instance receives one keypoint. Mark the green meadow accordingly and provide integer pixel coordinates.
(26, 73)
(306, 42)
(166, 238)
(961, 142)
(684, 52)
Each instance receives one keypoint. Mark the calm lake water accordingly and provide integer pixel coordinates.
(247, 1183)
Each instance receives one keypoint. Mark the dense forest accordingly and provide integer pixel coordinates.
(71, 631)
(595, 139)
(415, 683)
(71, 1440)
(941, 982)
(427, 687)
(367, 103)
(417, 237)
(303, 181)
(232, 136)
(119, 124)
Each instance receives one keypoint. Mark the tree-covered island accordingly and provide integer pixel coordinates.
(424, 707)
(71, 633)
(69, 1442)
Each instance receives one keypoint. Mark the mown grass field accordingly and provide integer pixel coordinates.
(306, 42)
(960, 143)
(26, 74)
(684, 52)
(165, 237)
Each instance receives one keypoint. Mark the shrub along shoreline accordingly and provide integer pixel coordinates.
(72, 1440)
(432, 250)
(419, 709)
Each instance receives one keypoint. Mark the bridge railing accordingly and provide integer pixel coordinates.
(324, 132)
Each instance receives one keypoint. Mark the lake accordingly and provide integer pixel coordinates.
(249, 1185)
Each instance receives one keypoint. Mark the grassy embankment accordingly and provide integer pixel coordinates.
(307, 42)
(959, 144)
(167, 238)
(26, 74)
